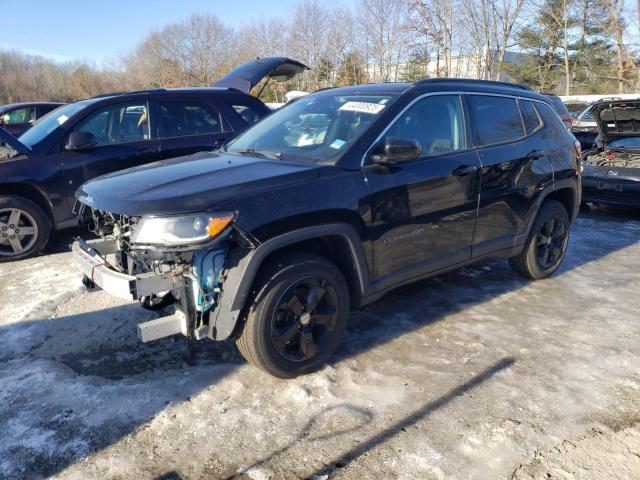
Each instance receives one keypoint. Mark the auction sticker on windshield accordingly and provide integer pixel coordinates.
(62, 118)
(362, 107)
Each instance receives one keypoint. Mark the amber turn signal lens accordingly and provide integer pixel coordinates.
(218, 224)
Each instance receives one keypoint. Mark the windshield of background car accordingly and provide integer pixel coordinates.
(52, 120)
(586, 114)
(316, 128)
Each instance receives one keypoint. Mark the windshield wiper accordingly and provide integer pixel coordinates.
(252, 152)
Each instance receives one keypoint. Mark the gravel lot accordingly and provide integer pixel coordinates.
(474, 374)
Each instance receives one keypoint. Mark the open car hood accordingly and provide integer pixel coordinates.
(13, 142)
(246, 76)
(617, 119)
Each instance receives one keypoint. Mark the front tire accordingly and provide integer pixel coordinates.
(24, 228)
(547, 243)
(298, 316)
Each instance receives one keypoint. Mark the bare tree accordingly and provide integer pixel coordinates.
(383, 30)
(615, 26)
(508, 17)
(193, 52)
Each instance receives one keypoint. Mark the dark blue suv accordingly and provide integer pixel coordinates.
(40, 171)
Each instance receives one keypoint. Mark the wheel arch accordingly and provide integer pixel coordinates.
(30, 192)
(338, 242)
(567, 195)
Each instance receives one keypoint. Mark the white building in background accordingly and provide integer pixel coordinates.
(462, 66)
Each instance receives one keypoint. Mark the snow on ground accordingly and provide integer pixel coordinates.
(473, 374)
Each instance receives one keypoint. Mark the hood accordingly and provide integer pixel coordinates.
(189, 184)
(617, 119)
(246, 76)
(13, 142)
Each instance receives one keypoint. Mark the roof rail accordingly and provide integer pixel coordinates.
(471, 80)
(114, 94)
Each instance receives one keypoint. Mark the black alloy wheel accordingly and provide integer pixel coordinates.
(297, 316)
(546, 245)
(304, 318)
(550, 242)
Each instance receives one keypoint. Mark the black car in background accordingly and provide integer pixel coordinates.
(17, 118)
(329, 203)
(561, 108)
(611, 170)
(40, 171)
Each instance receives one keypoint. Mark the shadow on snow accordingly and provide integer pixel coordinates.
(106, 396)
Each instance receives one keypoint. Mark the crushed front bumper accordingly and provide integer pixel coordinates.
(91, 259)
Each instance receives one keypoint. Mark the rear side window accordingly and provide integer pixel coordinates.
(44, 109)
(182, 118)
(530, 116)
(494, 119)
(248, 112)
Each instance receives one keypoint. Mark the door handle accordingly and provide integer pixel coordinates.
(463, 170)
(536, 154)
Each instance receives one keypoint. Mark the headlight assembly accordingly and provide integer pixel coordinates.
(181, 230)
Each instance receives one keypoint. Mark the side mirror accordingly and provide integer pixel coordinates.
(80, 141)
(392, 150)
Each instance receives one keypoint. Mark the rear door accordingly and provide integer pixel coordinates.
(424, 211)
(42, 110)
(515, 165)
(190, 125)
(125, 137)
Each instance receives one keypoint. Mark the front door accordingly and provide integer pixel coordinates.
(19, 120)
(189, 126)
(424, 211)
(124, 138)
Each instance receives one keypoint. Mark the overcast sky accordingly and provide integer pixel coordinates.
(100, 31)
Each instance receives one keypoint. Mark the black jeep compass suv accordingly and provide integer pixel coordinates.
(329, 203)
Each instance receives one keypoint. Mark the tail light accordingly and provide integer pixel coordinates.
(578, 149)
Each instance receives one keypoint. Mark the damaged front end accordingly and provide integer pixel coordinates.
(176, 263)
(611, 171)
(612, 158)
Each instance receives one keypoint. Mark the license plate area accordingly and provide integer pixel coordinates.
(610, 185)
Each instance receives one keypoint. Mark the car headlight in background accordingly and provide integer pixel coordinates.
(181, 230)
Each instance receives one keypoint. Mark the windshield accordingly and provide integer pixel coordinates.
(586, 114)
(575, 109)
(316, 128)
(52, 120)
(630, 142)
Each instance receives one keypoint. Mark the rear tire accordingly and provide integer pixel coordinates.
(547, 243)
(24, 228)
(298, 316)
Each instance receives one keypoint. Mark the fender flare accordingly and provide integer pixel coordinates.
(243, 265)
(561, 184)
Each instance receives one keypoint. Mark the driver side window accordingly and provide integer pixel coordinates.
(436, 122)
(123, 123)
(21, 115)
